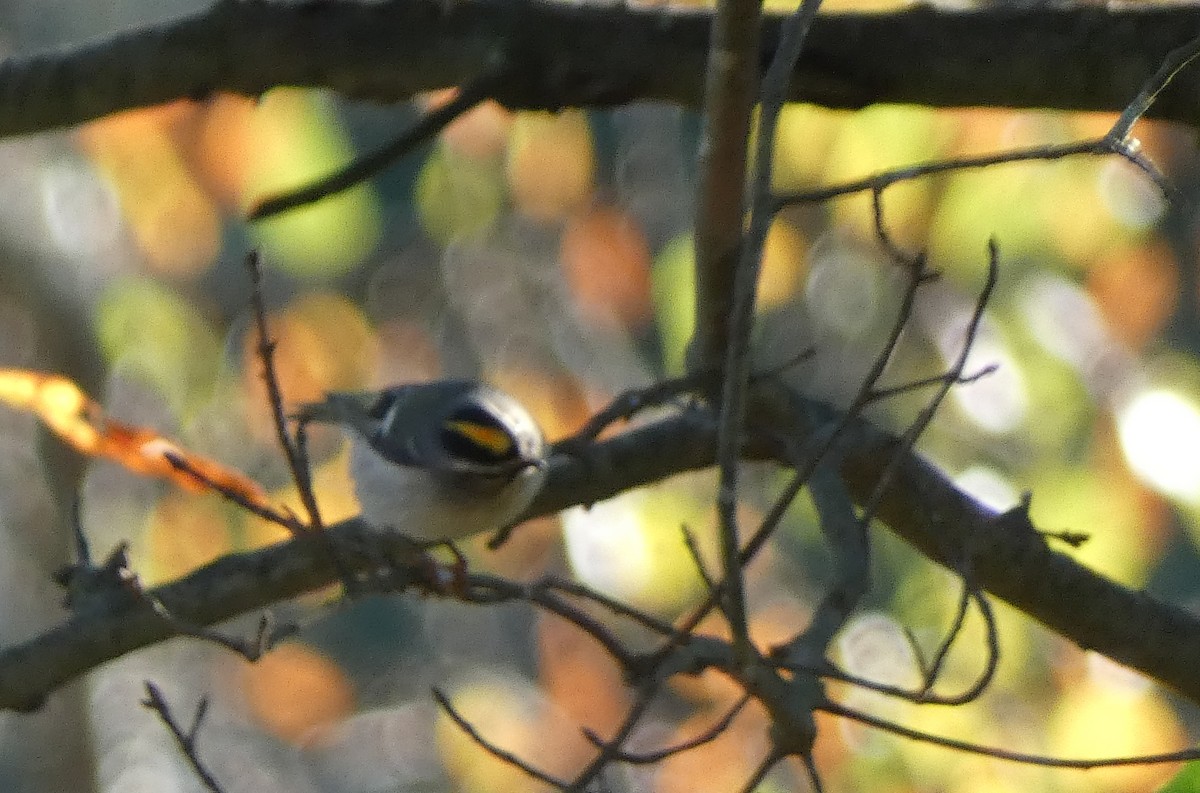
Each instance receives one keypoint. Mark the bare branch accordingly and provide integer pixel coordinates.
(693, 548)
(628, 403)
(186, 740)
(877, 183)
(1007, 754)
(1175, 62)
(708, 736)
(617, 607)
(923, 507)
(814, 778)
(931, 670)
(1115, 141)
(849, 544)
(388, 51)
(925, 695)
(296, 459)
(610, 751)
(828, 440)
(508, 757)
(918, 425)
(737, 305)
(264, 638)
(287, 521)
(760, 773)
(430, 124)
(730, 90)
(891, 391)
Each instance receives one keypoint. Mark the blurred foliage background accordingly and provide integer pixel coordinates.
(551, 254)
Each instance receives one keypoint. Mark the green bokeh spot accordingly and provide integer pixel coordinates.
(153, 333)
(1186, 781)
(672, 288)
(331, 236)
(455, 196)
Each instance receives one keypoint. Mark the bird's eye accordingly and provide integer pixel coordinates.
(474, 434)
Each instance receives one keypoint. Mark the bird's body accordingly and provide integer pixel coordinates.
(438, 510)
(439, 461)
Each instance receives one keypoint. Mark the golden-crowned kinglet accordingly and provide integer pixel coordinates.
(438, 461)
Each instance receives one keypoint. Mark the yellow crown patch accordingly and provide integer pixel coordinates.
(494, 440)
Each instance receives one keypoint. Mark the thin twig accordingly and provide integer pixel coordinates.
(485, 588)
(885, 237)
(629, 403)
(186, 740)
(693, 547)
(918, 276)
(611, 750)
(814, 778)
(83, 550)
(992, 637)
(1098, 147)
(764, 768)
(921, 696)
(878, 394)
(881, 181)
(736, 369)
(617, 607)
(930, 671)
(1115, 141)
(706, 737)
(603, 635)
(1176, 61)
(489, 747)
(362, 169)
(804, 468)
(297, 463)
(287, 521)
(1007, 754)
(264, 638)
(917, 427)
(849, 545)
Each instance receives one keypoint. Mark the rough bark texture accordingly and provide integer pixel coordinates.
(1085, 58)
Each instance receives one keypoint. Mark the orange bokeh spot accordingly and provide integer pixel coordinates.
(580, 677)
(478, 134)
(607, 263)
(172, 219)
(1136, 288)
(184, 534)
(783, 265)
(407, 352)
(222, 149)
(550, 163)
(323, 343)
(293, 690)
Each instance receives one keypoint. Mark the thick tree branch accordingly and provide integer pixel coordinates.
(1080, 58)
(1008, 557)
(730, 91)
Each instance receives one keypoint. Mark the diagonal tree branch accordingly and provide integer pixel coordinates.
(1009, 558)
(386, 51)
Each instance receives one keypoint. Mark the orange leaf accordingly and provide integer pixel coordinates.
(70, 414)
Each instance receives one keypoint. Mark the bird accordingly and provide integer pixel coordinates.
(438, 461)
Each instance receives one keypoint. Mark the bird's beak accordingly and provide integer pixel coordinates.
(536, 462)
(343, 408)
